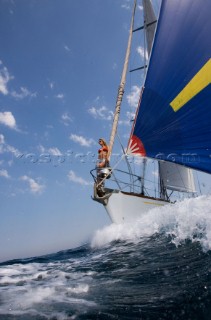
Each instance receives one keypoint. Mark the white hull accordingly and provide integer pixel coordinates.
(125, 207)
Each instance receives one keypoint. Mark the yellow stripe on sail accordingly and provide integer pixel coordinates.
(200, 81)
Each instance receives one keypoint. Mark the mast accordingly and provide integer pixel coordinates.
(121, 86)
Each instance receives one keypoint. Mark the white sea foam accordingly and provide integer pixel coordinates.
(15, 273)
(82, 288)
(188, 219)
(36, 295)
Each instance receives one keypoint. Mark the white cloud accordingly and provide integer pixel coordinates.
(66, 119)
(7, 148)
(51, 85)
(8, 119)
(66, 48)
(34, 186)
(41, 148)
(101, 113)
(4, 173)
(24, 92)
(143, 53)
(133, 97)
(126, 5)
(130, 117)
(82, 140)
(13, 150)
(55, 151)
(5, 77)
(72, 177)
(60, 96)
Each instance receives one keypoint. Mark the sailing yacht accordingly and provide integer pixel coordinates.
(173, 118)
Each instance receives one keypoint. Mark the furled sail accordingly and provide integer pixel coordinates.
(149, 23)
(173, 122)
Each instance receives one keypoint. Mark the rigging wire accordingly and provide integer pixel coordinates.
(127, 162)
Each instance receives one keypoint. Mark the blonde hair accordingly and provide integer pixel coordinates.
(104, 142)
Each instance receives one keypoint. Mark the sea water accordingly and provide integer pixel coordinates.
(156, 268)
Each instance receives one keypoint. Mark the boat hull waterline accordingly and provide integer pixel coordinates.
(127, 207)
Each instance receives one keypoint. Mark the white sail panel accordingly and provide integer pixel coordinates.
(176, 178)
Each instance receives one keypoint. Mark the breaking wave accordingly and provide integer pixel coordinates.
(155, 269)
(189, 219)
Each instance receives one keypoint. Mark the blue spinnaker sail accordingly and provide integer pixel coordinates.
(174, 118)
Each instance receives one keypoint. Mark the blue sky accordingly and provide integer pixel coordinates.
(60, 67)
